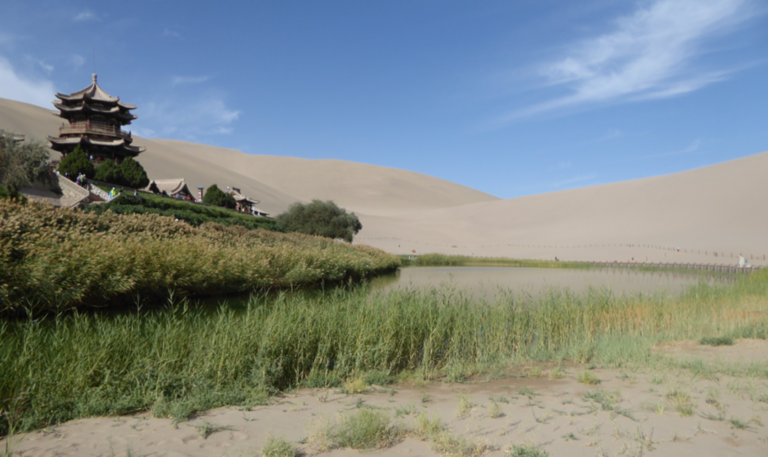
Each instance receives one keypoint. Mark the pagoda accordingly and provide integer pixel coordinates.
(95, 121)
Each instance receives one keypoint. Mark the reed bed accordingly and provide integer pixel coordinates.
(425, 260)
(54, 260)
(181, 359)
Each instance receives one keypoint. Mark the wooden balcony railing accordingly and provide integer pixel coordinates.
(96, 129)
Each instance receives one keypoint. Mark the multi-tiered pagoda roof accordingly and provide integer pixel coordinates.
(95, 121)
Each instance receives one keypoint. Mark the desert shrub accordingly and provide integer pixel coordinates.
(717, 341)
(21, 164)
(365, 429)
(76, 162)
(110, 172)
(215, 196)
(133, 173)
(320, 218)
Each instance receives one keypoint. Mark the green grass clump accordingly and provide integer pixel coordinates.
(278, 447)
(207, 429)
(527, 450)
(494, 411)
(464, 406)
(587, 377)
(56, 259)
(365, 429)
(451, 445)
(717, 341)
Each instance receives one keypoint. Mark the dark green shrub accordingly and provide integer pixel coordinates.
(214, 196)
(4, 192)
(133, 173)
(76, 162)
(320, 218)
(110, 172)
(717, 341)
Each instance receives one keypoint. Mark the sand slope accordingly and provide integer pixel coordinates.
(716, 209)
(275, 181)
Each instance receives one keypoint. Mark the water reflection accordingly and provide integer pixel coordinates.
(488, 282)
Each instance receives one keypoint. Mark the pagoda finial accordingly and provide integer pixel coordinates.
(94, 78)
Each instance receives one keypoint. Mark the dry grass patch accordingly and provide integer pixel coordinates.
(278, 447)
(464, 407)
(681, 400)
(445, 443)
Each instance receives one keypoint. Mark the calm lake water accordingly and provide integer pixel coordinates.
(486, 282)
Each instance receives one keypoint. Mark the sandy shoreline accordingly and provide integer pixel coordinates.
(628, 413)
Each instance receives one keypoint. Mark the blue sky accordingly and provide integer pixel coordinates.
(509, 97)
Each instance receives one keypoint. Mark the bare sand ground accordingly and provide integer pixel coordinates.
(538, 407)
(716, 209)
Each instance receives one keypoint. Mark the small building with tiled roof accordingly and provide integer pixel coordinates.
(171, 187)
(245, 204)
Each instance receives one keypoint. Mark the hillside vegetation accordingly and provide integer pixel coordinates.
(192, 213)
(52, 259)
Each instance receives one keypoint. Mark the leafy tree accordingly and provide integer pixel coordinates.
(76, 162)
(320, 218)
(110, 172)
(22, 163)
(215, 196)
(134, 173)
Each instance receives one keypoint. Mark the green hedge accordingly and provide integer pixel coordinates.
(194, 214)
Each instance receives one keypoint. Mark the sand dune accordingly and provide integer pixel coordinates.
(716, 209)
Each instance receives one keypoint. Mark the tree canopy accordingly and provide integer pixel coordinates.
(22, 163)
(76, 162)
(215, 196)
(133, 173)
(109, 172)
(320, 218)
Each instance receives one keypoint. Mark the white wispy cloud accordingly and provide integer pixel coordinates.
(77, 60)
(86, 15)
(691, 148)
(171, 33)
(208, 115)
(648, 54)
(176, 80)
(14, 86)
(47, 68)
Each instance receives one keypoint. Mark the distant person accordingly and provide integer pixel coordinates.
(556, 259)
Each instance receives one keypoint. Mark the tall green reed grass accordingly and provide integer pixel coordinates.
(55, 259)
(181, 359)
(463, 260)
